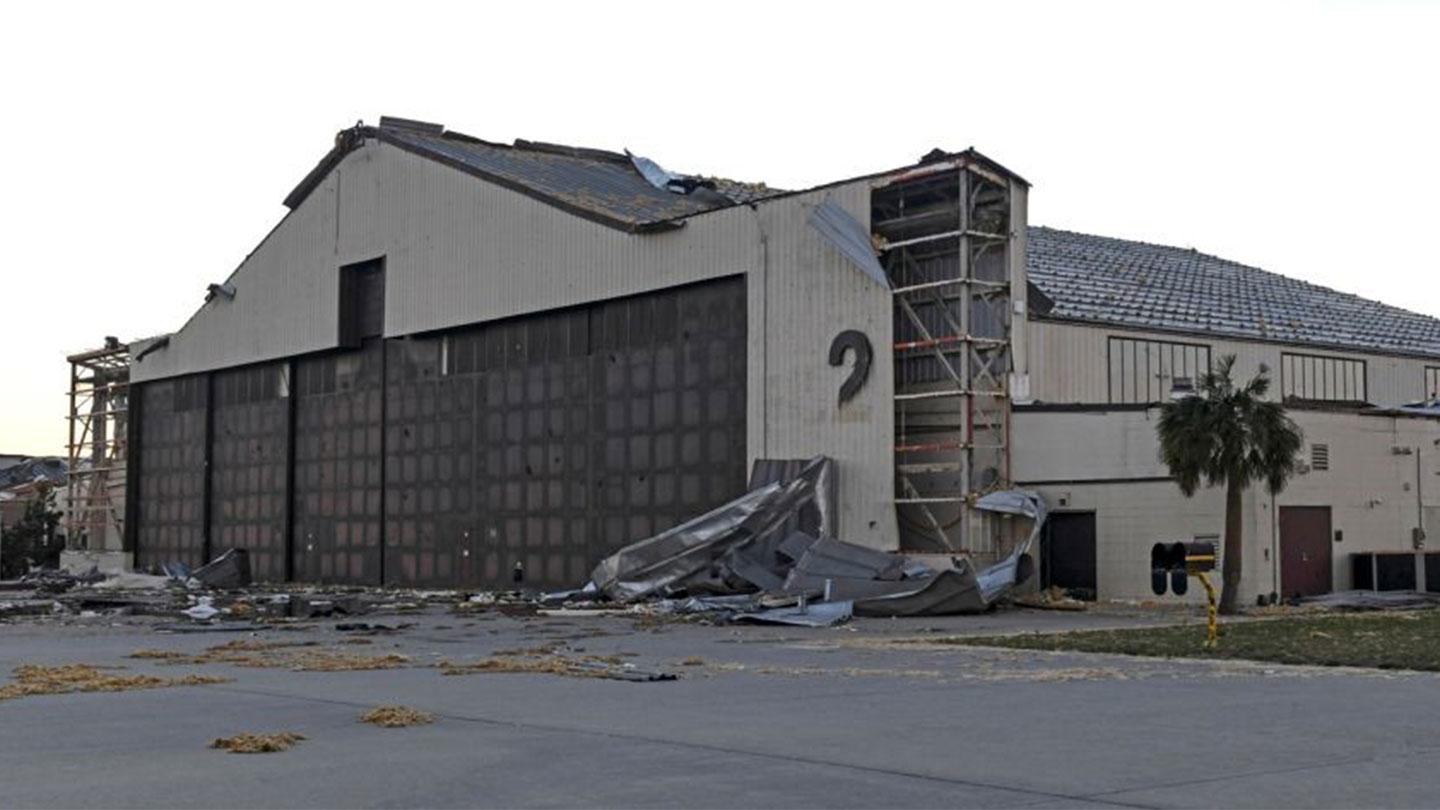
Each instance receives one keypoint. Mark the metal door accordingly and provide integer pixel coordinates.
(1067, 553)
(249, 443)
(552, 440)
(339, 413)
(170, 472)
(1305, 554)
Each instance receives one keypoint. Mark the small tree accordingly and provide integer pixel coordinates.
(1230, 436)
(32, 539)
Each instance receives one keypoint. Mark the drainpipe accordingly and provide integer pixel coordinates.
(1274, 546)
(1419, 495)
(764, 245)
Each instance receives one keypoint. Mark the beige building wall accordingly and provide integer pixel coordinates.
(1068, 362)
(459, 250)
(1107, 462)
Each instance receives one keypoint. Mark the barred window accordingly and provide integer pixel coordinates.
(1143, 371)
(1320, 457)
(1315, 378)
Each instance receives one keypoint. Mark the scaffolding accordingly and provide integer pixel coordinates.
(99, 402)
(944, 235)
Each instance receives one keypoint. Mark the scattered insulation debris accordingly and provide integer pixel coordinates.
(396, 717)
(300, 656)
(258, 743)
(547, 662)
(34, 679)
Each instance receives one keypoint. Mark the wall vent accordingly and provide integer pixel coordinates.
(1319, 457)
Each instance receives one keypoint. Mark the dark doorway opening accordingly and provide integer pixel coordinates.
(1067, 554)
(1305, 552)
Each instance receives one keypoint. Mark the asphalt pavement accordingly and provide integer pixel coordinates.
(877, 713)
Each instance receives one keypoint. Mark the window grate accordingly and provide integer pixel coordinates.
(1320, 457)
(1142, 372)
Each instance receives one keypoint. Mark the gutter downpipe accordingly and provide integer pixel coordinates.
(764, 245)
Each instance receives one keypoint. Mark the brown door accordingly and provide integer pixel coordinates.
(1304, 550)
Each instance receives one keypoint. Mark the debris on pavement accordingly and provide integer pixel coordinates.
(548, 661)
(298, 656)
(258, 743)
(36, 679)
(396, 717)
(772, 556)
(203, 610)
(229, 571)
(1372, 600)
(1052, 598)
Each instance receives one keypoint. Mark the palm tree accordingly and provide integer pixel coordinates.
(1230, 436)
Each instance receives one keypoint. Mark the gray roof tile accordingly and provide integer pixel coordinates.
(1136, 284)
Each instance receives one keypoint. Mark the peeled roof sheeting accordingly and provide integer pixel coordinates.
(1135, 284)
(610, 188)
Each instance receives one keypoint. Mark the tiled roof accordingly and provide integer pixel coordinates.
(1135, 284)
(592, 183)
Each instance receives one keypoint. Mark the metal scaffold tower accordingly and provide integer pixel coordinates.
(944, 235)
(99, 402)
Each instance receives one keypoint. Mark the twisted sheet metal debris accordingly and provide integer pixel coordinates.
(771, 556)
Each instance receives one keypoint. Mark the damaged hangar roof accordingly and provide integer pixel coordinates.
(1087, 278)
(1140, 285)
(608, 187)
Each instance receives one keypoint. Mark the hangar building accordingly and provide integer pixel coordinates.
(452, 355)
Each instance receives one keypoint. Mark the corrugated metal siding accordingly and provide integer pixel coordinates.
(1069, 363)
(805, 293)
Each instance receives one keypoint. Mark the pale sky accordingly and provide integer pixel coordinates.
(148, 146)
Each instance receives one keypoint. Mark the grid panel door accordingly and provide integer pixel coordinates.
(170, 509)
(338, 461)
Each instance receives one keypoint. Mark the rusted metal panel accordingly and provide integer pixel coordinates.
(248, 469)
(339, 452)
(170, 511)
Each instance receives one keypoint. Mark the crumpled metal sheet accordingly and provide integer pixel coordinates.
(962, 589)
(819, 517)
(952, 591)
(849, 237)
(228, 571)
(694, 556)
(816, 614)
(827, 557)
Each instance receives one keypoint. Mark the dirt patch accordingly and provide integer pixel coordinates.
(31, 679)
(396, 717)
(258, 743)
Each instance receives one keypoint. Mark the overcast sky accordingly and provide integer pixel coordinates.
(147, 148)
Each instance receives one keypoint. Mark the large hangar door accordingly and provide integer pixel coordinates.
(339, 411)
(170, 479)
(554, 439)
(249, 443)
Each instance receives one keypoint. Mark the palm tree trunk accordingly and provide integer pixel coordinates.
(1233, 557)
